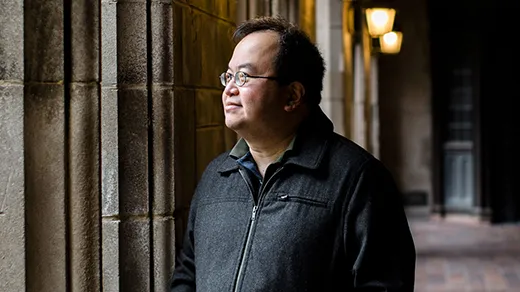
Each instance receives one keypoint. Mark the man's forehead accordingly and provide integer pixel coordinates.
(255, 46)
(260, 40)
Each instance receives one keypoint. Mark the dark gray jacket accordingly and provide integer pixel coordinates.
(328, 218)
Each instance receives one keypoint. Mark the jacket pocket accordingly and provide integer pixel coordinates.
(285, 197)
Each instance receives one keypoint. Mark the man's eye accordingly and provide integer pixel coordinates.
(241, 77)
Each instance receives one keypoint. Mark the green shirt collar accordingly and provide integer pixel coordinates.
(241, 148)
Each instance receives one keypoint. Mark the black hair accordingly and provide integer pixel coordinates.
(298, 58)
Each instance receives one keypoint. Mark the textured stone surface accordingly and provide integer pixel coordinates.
(162, 42)
(84, 196)
(44, 140)
(184, 141)
(109, 153)
(12, 241)
(135, 252)
(43, 46)
(208, 108)
(133, 151)
(163, 151)
(85, 40)
(163, 252)
(131, 43)
(110, 254)
(109, 43)
(191, 47)
(11, 40)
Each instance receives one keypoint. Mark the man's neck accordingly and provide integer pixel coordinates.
(266, 152)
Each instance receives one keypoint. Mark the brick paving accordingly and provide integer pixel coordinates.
(466, 257)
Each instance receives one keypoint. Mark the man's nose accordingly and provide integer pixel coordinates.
(231, 88)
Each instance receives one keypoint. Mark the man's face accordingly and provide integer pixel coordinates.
(257, 106)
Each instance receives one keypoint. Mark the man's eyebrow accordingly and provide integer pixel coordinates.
(244, 66)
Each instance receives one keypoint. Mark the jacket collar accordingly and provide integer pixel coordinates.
(309, 146)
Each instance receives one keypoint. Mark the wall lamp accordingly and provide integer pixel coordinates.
(380, 23)
(390, 42)
(379, 20)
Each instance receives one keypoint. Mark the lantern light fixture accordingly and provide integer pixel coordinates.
(390, 42)
(379, 20)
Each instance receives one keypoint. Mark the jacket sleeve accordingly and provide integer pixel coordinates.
(377, 239)
(183, 279)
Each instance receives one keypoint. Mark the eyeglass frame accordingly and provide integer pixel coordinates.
(223, 79)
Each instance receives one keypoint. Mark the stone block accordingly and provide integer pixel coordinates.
(205, 5)
(191, 47)
(110, 254)
(163, 252)
(85, 40)
(131, 43)
(45, 197)
(43, 46)
(225, 44)
(109, 152)
(12, 209)
(214, 61)
(178, 34)
(206, 48)
(84, 199)
(134, 254)
(163, 151)
(109, 43)
(162, 42)
(11, 40)
(133, 151)
(184, 141)
(224, 9)
(208, 108)
(209, 144)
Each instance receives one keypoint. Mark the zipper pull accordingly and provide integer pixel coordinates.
(253, 215)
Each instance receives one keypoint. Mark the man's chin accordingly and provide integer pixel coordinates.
(233, 125)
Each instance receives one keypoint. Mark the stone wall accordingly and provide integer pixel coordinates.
(405, 102)
(12, 209)
(109, 113)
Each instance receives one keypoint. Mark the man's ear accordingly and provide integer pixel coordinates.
(295, 99)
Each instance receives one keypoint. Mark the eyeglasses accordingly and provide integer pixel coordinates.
(240, 78)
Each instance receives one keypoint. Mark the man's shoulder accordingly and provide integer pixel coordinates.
(344, 149)
(219, 161)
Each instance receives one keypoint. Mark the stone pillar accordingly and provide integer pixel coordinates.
(374, 106)
(82, 114)
(329, 36)
(307, 17)
(348, 37)
(46, 133)
(12, 209)
(109, 112)
(362, 81)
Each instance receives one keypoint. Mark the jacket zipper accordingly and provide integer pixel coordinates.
(251, 225)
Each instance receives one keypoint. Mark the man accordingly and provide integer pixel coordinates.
(293, 206)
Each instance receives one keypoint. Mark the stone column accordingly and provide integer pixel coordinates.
(137, 146)
(109, 112)
(348, 37)
(307, 17)
(82, 122)
(374, 106)
(329, 38)
(46, 132)
(12, 209)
